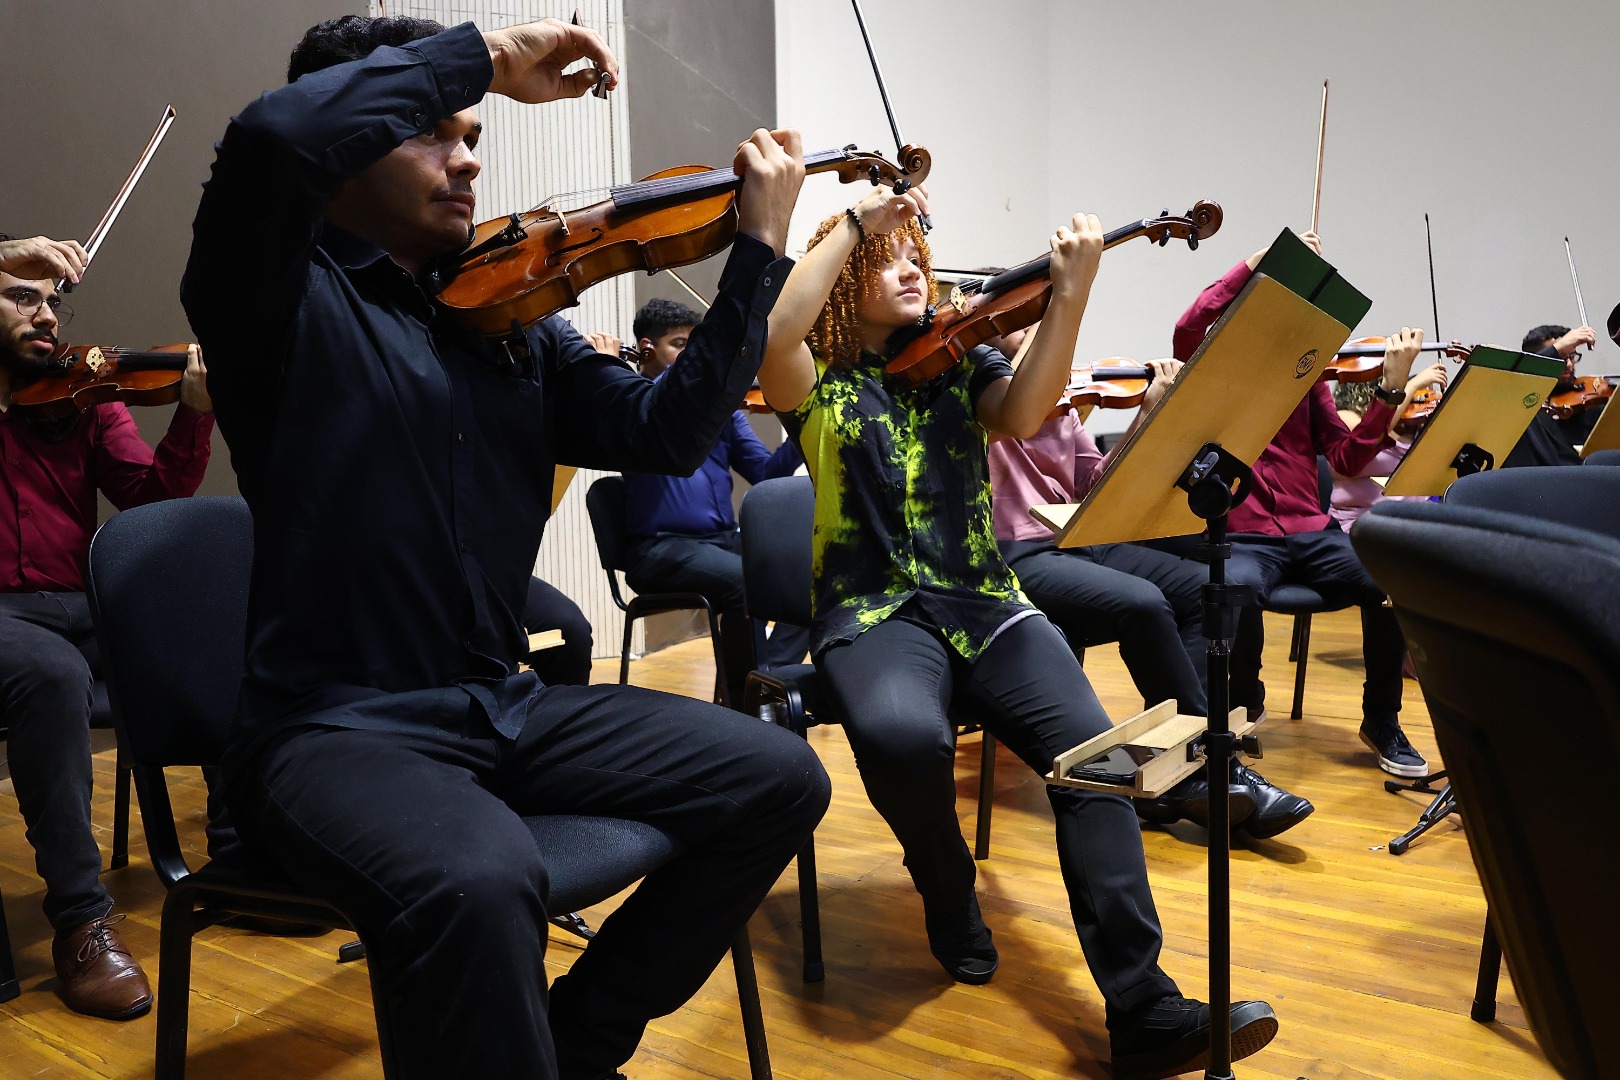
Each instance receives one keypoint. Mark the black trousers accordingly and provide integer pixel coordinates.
(712, 565)
(47, 646)
(1326, 562)
(547, 608)
(1146, 600)
(894, 683)
(416, 835)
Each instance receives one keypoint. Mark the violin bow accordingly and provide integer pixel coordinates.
(99, 233)
(601, 88)
(1575, 279)
(1321, 145)
(682, 282)
(923, 220)
(1434, 294)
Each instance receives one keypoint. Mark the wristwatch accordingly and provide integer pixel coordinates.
(1389, 397)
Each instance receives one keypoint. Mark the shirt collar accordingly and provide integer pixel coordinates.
(350, 251)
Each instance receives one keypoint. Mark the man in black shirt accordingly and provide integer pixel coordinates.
(1549, 440)
(399, 469)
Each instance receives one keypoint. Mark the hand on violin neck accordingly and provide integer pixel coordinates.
(1435, 376)
(1400, 351)
(40, 257)
(194, 382)
(529, 60)
(771, 164)
(1076, 254)
(1164, 374)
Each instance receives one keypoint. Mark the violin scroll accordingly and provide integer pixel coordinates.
(1199, 223)
(853, 165)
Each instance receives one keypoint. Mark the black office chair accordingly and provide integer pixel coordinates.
(604, 502)
(1302, 601)
(1514, 622)
(1602, 457)
(776, 519)
(168, 585)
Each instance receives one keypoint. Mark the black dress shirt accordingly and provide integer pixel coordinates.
(399, 475)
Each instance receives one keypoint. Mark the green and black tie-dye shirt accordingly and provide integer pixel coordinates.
(903, 503)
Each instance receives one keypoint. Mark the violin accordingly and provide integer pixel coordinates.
(524, 267)
(1589, 391)
(1362, 360)
(87, 375)
(1114, 382)
(1419, 411)
(1016, 298)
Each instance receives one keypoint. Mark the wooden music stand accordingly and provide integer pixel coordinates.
(1605, 433)
(1483, 413)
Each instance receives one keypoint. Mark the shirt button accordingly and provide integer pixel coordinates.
(461, 436)
(462, 547)
(25, 512)
(467, 644)
(767, 281)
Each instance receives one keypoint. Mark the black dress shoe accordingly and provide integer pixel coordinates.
(961, 943)
(1190, 800)
(1171, 1037)
(1275, 810)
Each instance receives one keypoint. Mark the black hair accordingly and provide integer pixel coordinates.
(353, 37)
(658, 317)
(1542, 336)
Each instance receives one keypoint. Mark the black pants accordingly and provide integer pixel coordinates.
(894, 683)
(416, 836)
(46, 650)
(568, 664)
(1326, 562)
(712, 565)
(1146, 600)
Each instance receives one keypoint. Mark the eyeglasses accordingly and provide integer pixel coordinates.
(28, 302)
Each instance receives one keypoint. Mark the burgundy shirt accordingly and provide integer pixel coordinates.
(1286, 498)
(48, 489)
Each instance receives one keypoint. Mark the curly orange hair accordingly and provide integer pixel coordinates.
(835, 337)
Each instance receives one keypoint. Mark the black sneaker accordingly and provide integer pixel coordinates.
(1171, 1037)
(961, 943)
(1395, 755)
(1190, 799)
(1275, 810)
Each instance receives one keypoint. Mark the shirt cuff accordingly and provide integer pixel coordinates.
(189, 423)
(754, 273)
(462, 71)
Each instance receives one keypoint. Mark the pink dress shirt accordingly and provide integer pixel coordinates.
(1286, 498)
(48, 489)
(1060, 463)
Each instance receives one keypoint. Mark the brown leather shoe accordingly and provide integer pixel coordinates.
(97, 975)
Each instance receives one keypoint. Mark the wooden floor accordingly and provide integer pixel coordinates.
(1368, 959)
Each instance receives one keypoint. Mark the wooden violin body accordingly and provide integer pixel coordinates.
(1017, 298)
(88, 375)
(1589, 391)
(524, 267)
(1417, 412)
(1362, 360)
(1114, 382)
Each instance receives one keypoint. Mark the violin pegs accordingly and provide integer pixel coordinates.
(1192, 242)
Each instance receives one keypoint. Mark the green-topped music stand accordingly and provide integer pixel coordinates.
(1482, 415)
(1605, 434)
(1186, 465)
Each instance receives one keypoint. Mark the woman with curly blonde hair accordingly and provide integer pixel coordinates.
(913, 604)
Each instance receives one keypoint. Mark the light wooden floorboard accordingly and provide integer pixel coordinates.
(1369, 959)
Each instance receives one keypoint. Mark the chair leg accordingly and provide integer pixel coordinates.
(753, 1015)
(722, 693)
(1293, 642)
(987, 796)
(624, 650)
(1490, 972)
(120, 843)
(8, 970)
(1302, 638)
(810, 913)
(176, 927)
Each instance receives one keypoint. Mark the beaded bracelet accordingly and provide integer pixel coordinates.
(856, 218)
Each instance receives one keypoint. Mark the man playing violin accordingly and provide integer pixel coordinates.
(683, 529)
(1147, 600)
(399, 468)
(1282, 531)
(1551, 440)
(50, 471)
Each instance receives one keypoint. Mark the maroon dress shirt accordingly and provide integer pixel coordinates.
(48, 489)
(1286, 498)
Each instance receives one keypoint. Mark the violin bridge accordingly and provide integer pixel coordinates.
(958, 299)
(95, 361)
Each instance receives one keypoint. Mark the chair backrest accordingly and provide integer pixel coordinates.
(777, 519)
(604, 502)
(168, 584)
(1602, 457)
(1575, 497)
(1324, 483)
(1514, 625)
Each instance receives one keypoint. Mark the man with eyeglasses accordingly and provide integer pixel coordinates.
(50, 471)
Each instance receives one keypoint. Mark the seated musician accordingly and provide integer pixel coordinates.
(683, 529)
(1145, 599)
(399, 468)
(914, 606)
(1355, 495)
(1281, 531)
(1550, 440)
(546, 607)
(50, 472)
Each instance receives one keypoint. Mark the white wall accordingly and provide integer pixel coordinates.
(1491, 117)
